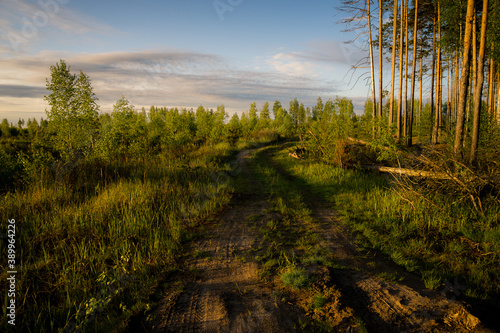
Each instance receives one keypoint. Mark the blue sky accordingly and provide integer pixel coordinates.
(177, 53)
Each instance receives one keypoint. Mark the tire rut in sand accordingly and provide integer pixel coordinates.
(224, 294)
(385, 306)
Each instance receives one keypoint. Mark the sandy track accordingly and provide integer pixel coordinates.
(386, 306)
(225, 295)
(223, 292)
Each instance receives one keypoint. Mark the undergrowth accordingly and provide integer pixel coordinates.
(451, 244)
(91, 249)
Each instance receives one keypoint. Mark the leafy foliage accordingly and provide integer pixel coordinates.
(74, 111)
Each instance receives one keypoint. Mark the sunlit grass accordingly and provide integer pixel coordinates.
(440, 240)
(295, 277)
(82, 255)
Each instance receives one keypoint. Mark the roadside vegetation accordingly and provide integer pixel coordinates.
(441, 237)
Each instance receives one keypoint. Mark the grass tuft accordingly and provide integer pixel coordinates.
(295, 277)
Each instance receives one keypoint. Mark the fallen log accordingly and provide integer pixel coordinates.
(409, 172)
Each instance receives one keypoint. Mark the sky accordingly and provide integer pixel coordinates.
(178, 53)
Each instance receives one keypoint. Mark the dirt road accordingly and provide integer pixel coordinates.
(222, 288)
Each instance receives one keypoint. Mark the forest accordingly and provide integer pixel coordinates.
(106, 203)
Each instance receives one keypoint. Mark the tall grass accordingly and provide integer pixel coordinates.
(91, 249)
(443, 240)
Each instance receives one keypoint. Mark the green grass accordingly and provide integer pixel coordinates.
(295, 277)
(435, 236)
(91, 251)
(318, 302)
(199, 254)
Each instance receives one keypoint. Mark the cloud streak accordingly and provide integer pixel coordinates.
(317, 55)
(158, 77)
(20, 91)
(23, 22)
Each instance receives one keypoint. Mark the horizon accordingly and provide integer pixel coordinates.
(232, 52)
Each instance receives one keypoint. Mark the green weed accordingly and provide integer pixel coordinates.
(318, 302)
(295, 277)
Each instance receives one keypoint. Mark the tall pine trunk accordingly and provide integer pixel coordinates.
(405, 109)
(464, 82)
(421, 80)
(431, 129)
(414, 71)
(478, 91)
(372, 67)
(380, 60)
(393, 61)
(401, 52)
(437, 118)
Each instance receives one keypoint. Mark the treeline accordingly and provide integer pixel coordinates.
(76, 133)
(443, 51)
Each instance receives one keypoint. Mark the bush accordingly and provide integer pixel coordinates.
(8, 170)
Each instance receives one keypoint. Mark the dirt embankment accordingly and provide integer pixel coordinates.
(221, 291)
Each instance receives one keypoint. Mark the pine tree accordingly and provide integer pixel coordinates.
(478, 90)
(464, 81)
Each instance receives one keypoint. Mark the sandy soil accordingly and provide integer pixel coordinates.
(221, 290)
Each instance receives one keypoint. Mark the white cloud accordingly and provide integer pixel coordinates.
(322, 52)
(318, 57)
(292, 64)
(160, 77)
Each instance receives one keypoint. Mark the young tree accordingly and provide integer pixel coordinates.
(293, 111)
(203, 124)
(33, 127)
(276, 107)
(264, 118)
(245, 124)
(5, 128)
(318, 109)
(218, 132)
(252, 116)
(73, 113)
(302, 115)
(234, 129)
